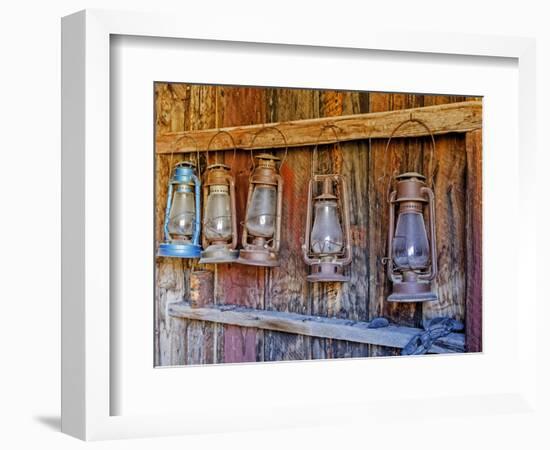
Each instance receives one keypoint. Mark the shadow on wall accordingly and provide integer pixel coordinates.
(51, 422)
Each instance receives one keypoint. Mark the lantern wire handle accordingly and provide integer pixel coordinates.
(181, 138)
(333, 128)
(412, 119)
(232, 142)
(261, 130)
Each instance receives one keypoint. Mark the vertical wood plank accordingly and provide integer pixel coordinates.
(355, 293)
(171, 106)
(200, 335)
(474, 242)
(450, 204)
(287, 288)
(170, 333)
(326, 297)
(226, 158)
(241, 284)
(202, 115)
(347, 300)
(381, 170)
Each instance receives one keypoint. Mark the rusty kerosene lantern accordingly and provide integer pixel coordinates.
(261, 237)
(219, 228)
(412, 253)
(327, 241)
(182, 217)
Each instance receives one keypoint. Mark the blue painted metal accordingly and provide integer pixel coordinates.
(170, 249)
(184, 174)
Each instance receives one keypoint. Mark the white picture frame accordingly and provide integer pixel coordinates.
(87, 328)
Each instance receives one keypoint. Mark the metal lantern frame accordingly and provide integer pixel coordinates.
(183, 173)
(264, 253)
(218, 174)
(412, 193)
(328, 267)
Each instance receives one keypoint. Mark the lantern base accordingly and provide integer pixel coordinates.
(411, 292)
(326, 271)
(172, 250)
(218, 254)
(258, 257)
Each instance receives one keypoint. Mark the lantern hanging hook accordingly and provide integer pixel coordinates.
(232, 143)
(412, 119)
(333, 128)
(181, 138)
(267, 128)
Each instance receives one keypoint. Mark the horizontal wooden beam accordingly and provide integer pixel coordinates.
(453, 117)
(325, 327)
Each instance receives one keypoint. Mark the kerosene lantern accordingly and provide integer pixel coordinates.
(182, 216)
(219, 229)
(412, 258)
(262, 227)
(327, 241)
(412, 254)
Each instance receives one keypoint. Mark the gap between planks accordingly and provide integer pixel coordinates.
(325, 327)
(458, 117)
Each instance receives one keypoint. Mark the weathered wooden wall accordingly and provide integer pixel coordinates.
(181, 107)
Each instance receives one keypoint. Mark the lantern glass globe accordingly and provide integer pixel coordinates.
(326, 233)
(260, 220)
(182, 215)
(217, 220)
(410, 242)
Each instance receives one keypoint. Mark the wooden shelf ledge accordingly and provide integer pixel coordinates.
(457, 117)
(333, 328)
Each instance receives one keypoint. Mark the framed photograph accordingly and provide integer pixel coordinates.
(233, 199)
(300, 224)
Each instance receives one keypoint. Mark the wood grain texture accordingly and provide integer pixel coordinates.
(286, 288)
(325, 297)
(474, 231)
(201, 115)
(354, 166)
(458, 117)
(450, 206)
(201, 288)
(239, 284)
(299, 324)
(346, 300)
(171, 108)
(182, 107)
(381, 169)
(170, 333)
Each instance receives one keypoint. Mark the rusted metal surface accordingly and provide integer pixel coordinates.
(201, 288)
(412, 284)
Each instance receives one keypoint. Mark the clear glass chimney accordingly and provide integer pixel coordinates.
(182, 215)
(260, 220)
(217, 223)
(410, 242)
(326, 234)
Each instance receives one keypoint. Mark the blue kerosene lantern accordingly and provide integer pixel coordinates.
(182, 218)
